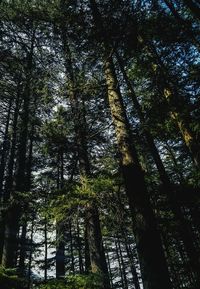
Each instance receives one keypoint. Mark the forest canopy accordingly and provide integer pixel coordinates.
(99, 144)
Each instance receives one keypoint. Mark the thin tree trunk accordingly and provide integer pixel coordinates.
(4, 150)
(23, 247)
(176, 105)
(152, 260)
(168, 189)
(30, 254)
(9, 179)
(87, 253)
(153, 265)
(80, 259)
(60, 252)
(123, 265)
(14, 212)
(109, 269)
(195, 9)
(119, 262)
(45, 250)
(92, 222)
(184, 23)
(71, 248)
(132, 266)
(23, 240)
(153, 149)
(60, 244)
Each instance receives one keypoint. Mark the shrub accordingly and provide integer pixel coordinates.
(10, 280)
(91, 281)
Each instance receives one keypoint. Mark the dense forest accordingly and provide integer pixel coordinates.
(99, 144)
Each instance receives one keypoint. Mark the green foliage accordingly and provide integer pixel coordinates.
(78, 195)
(10, 280)
(91, 281)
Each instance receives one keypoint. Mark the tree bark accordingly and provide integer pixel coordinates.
(119, 262)
(60, 229)
(152, 260)
(153, 265)
(92, 222)
(123, 265)
(4, 150)
(45, 250)
(71, 248)
(15, 210)
(80, 259)
(177, 104)
(168, 188)
(9, 177)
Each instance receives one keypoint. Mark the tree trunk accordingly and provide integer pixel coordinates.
(60, 244)
(109, 270)
(153, 149)
(153, 265)
(195, 9)
(45, 250)
(71, 248)
(119, 262)
(87, 253)
(9, 179)
(150, 251)
(177, 104)
(23, 239)
(80, 259)
(123, 265)
(30, 254)
(15, 210)
(60, 252)
(168, 188)
(132, 266)
(23, 247)
(4, 150)
(93, 230)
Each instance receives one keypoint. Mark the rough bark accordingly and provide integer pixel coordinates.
(149, 246)
(151, 256)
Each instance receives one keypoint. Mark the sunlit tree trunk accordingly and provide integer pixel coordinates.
(178, 106)
(168, 188)
(153, 265)
(152, 259)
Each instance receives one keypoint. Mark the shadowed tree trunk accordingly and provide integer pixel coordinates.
(23, 238)
(92, 222)
(80, 259)
(4, 150)
(119, 262)
(168, 189)
(151, 256)
(60, 229)
(194, 7)
(9, 176)
(123, 265)
(14, 211)
(178, 106)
